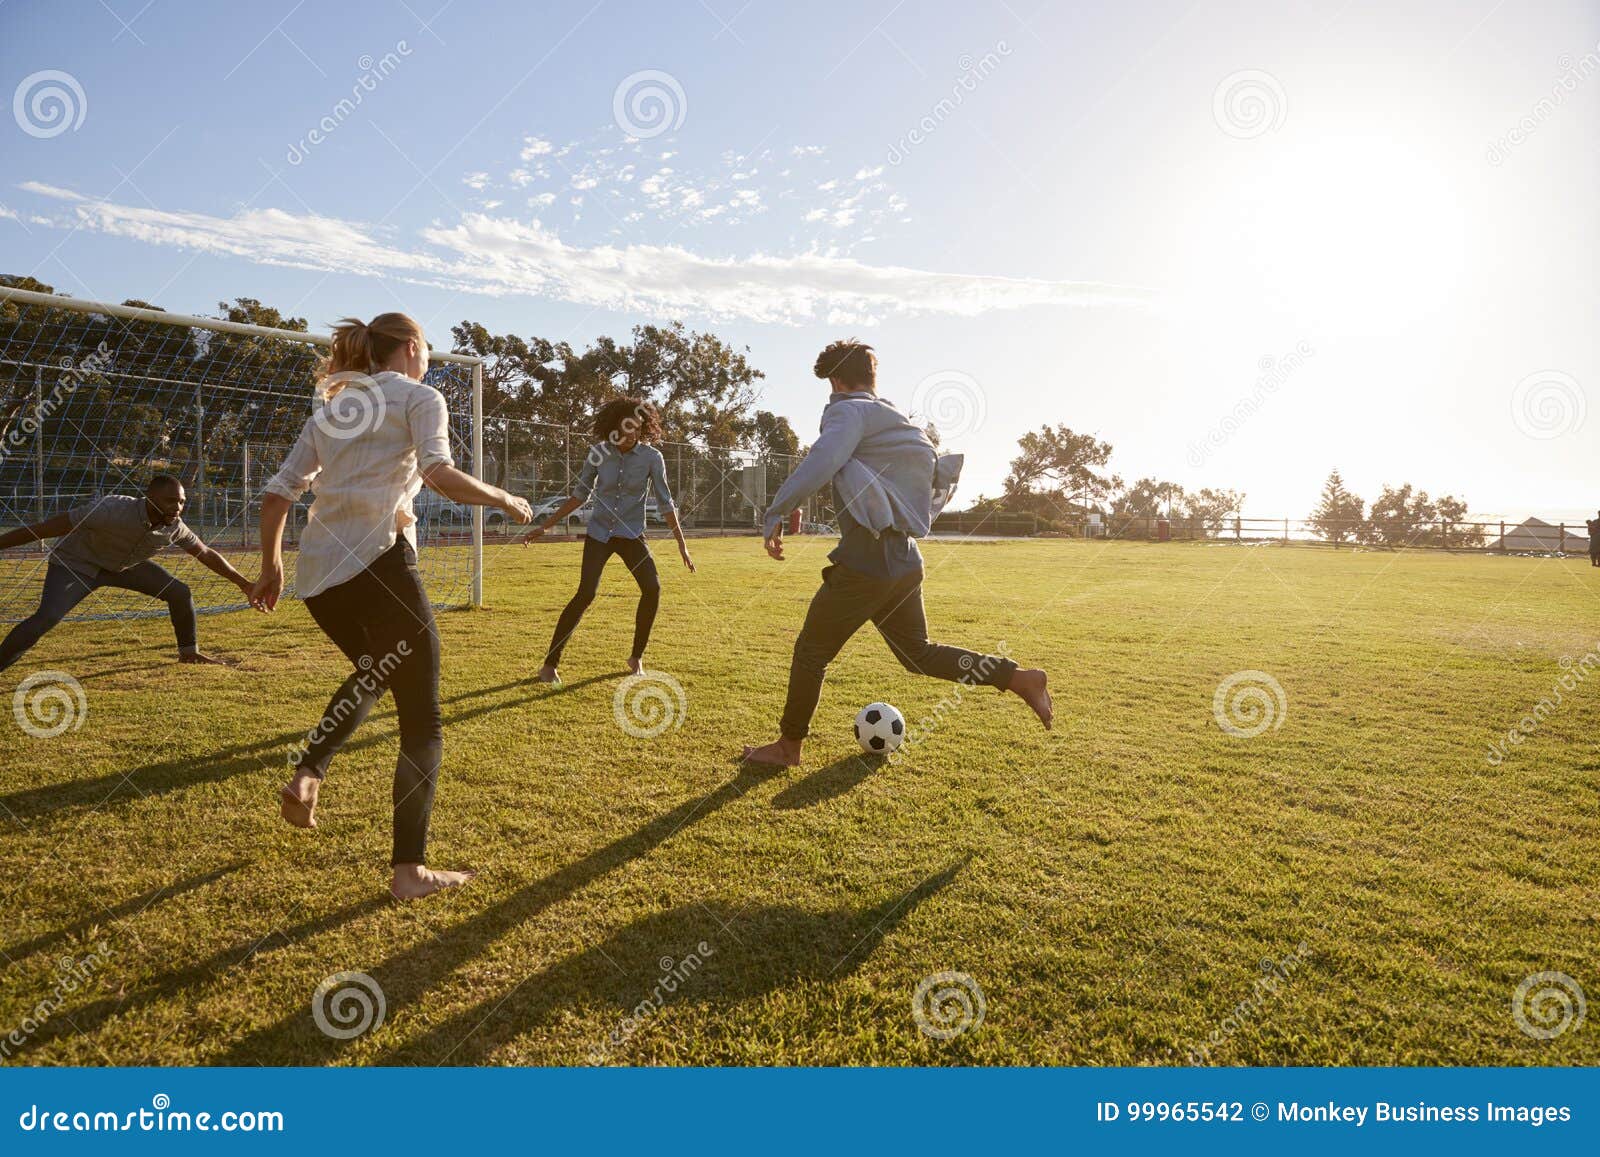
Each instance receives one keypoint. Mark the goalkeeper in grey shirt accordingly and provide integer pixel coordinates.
(108, 542)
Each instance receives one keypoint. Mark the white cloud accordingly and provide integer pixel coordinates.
(477, 182)
(498, 256)
(543, 199)
(534, 147)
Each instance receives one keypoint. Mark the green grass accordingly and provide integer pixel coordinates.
(1113, 887)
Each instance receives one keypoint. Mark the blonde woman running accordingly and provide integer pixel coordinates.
(376, 435)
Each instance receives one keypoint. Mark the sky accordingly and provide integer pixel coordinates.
(1243, 243)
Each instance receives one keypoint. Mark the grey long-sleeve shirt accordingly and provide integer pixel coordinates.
(880, 462)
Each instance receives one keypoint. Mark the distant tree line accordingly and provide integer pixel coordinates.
(1060, 477)
(1399, 516)
(140, 393)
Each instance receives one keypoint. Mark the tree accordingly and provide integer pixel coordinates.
(1337, 517)
(1135, 507)
(1056, 468)
(1212, 509)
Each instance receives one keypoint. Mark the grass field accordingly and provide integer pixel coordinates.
(1112, 887)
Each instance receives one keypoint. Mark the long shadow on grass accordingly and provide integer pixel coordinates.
(709, 953)
(169, 985)
(129, 907)
(827, 783)
(116, 789)
(408, 974)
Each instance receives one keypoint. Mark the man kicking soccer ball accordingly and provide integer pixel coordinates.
(107, 542)
(884, 471)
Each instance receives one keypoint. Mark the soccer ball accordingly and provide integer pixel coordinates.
(880, 728)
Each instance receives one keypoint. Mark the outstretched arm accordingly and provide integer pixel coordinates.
(50, 528)
(677, 533)
(561, 512)
(274, 513)
(841, 434)
(459, 486)
(216, 564)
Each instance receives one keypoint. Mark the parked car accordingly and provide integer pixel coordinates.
(433, 510)
(578, 518)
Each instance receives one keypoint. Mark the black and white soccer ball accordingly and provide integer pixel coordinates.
(880, 728)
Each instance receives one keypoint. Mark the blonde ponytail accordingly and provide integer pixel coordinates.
(362, 347)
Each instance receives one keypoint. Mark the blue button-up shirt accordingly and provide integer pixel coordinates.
(619, 483)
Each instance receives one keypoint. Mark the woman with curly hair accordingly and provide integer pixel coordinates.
(619, 472)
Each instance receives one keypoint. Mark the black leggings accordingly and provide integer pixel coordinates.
(382, 621)
(636, 555)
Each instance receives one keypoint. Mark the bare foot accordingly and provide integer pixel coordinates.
(636, 666)
(202, 657)
(782, 753)
(297, 802)
(413, 881)
(548, 674)
(1032, 687)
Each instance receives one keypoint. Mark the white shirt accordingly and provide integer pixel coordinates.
(365, 450)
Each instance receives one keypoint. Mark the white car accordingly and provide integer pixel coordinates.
(579, 517)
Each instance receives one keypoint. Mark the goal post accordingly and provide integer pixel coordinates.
(96, 397)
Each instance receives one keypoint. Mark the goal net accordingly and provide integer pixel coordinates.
(96, 398)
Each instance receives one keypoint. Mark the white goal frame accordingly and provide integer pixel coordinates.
(182, 320)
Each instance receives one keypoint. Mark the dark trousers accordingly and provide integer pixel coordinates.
(596, 554)
(65, 588)
(847, 600)
(382, 621)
